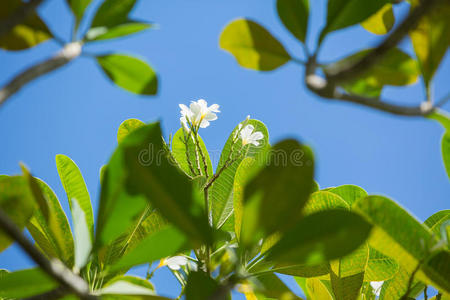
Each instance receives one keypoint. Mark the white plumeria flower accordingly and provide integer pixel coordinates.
(175, 262)
(198, 114)
(248, 136)
(376, 286)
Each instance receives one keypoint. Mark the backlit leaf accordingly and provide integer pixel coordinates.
(128, 126)
(381, 22)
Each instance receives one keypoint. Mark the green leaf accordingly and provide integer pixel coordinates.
(331, 234)
(200, 286)
(253, 46)
(128, 285)
(442, 117)
(78, 7)
(396, 287)
(126, 127)
(381, 22)
(294, 15)
(323, 200)
(379, 267)
(435, 221)
(83, 238)
(31, 32)
(269, 286)
(75, 187)
(121, 30)
(53, 234)
(130, 73)
(345, 13)
(305, 271)
(25, 283)
(221, 192)
(398, 235)
(446, 151)
(179, 151)
(112, 13)
(349, 193)
(139, 171)
(274, 198)
(430, 39)
(17, 202)
(165, 242)
(315, 289)
(396, 68)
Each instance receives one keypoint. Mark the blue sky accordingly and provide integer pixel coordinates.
(76, 111)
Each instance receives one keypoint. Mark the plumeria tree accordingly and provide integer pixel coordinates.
(257, 214)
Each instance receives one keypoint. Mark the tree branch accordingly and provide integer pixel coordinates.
(355, 69)
(53, 267)
(67, 54)
(18, 16)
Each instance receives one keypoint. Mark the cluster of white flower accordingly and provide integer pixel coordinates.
(198, 115)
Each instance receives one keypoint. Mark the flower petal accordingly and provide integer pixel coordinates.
(210, 116)
(204, 123)
(257, 136)
(214, 108)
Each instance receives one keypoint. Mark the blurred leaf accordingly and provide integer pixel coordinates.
(165, 242)
(431, 39)
(435, 221)
(446, 151)
(288, 176)
(200, 286)
(78, 7)
(269, 286)
(112, 13)
(331, 234)
(139, 170)
(52, 235)
(379, 267)
(17, 202)
(31, 32)
(126, 127)
(349, 193)
(179, 153)
(381, 22)
(121, 30)
(130, 73)
(25, 283)
(83, 238)
(128, 285)
(398, 235)
(395, 68)
(294, 15)
(442, 117)
(345, 13)
(315, 289)
(75, 188)
(221, 192)
(253, 46)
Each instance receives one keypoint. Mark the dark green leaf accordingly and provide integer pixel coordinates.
(269, 286)
(78, 7)
(253, 46)
(345, 13)
(130, 73)
(274, 198)
(200, 286)
(294, 15)
(31, 32)
(25, 283)
(331, 234)
(75, 187)
(112, 13)
(16, 200)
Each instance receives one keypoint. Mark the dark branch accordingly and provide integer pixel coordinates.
(18, 16)
(410, 22)
(67, 54)
(55, 268)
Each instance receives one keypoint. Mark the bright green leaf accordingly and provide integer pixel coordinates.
(323, 200)
(31, 32)
(345, 13)
(83, 238)
(315, 289)
(221, 192)
(253, 46)
(379, 267)
(78, 7)
(446, 151)
(128, 285)
(179, 150)
(349, 193)
(121, 30)
(381, 22)
(274, 198)
(396, 287)
(331, 234)
(75, 187)
(435, 221)
(126, 127)
(17, 202)
(294, 15)
(130, 73)
(25, 283)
